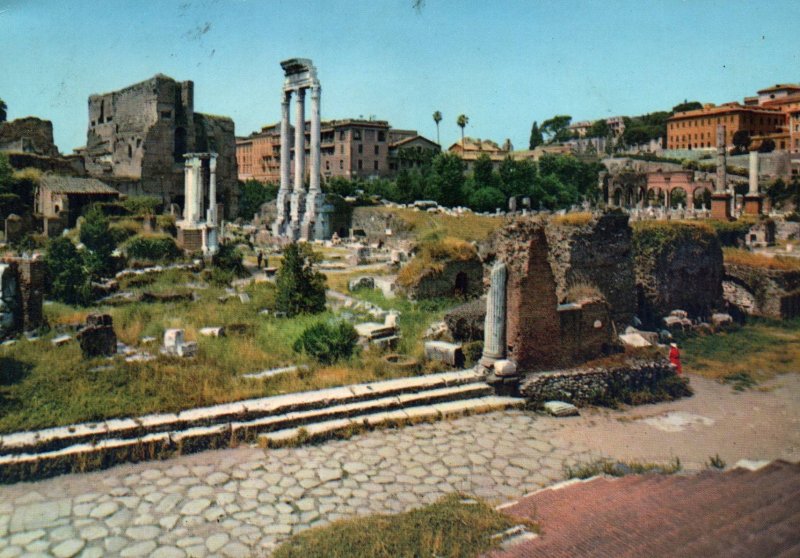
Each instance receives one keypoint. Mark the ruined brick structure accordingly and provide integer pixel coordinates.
(137, 138)
(758, 291)
(28, 135)
(543, 329)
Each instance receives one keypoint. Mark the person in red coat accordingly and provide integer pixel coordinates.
(675, 358)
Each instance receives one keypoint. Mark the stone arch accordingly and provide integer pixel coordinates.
(702, 195)
(677, 195)
(461, 285)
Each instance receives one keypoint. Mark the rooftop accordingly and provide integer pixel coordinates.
(73, 185)
(723, 109)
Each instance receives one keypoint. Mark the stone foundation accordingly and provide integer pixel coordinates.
(583, 386)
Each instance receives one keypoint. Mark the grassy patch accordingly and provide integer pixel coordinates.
(432, 257)
(738, 256)
(620, 468)
(758, 350)
(573, 219)
(51, 386)
(455, 526)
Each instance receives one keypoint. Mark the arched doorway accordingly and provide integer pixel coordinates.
(702, 198)
(677, 196)
(461, 286)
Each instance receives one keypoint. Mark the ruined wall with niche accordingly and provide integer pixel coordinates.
(758, 291)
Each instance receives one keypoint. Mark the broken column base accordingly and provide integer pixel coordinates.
(502, 375)
(721, 206)
(753, 204)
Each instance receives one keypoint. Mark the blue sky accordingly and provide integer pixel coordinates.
(502, 63)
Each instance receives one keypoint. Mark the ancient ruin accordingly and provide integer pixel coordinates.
(138, 136)
(97, 337)
(298, 210)
(22, 282)
(721, 198)
(28, 135)
(197, 231)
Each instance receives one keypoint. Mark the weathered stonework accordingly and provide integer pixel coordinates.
(583, 386)
(137, 138)
(678, 266)
(28, 135)
(22, 290)
(764, 292)
(97, 337)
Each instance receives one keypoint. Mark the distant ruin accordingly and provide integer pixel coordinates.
(138, 136)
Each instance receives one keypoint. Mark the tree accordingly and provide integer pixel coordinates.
(99, 243)
(598, 129)
(487, 199)
(536, 136)
(252, 195)
(687, 106)
(68, 281)
(437, 117)
(557, 128)
(462, 122)
(767, 146)
(3, 110)
(483, 171)
(301, 289)
(741, 141)
(446, 182)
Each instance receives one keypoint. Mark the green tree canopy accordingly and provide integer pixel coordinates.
(301, 288)
(536, 136)
(686, 106)
(487, 199)
(446, 182)
(598, 129)
(99, 242)
(557, 128)
(252, 194)
(68, 281)
(741, 141)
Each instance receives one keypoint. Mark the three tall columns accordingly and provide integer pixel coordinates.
(297, 209)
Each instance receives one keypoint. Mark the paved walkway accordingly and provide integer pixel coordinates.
(242, 502)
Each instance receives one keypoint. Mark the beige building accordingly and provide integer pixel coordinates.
(64, 197)
(472, 148)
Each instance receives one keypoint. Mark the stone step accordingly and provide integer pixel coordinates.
(131, 428)
(326, 429)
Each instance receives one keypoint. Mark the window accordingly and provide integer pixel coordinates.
(341, 134)
(377, 150)
(360, 164)
(381, 135)
(341, 148)
(376, 163)
(341, 164)
(357, 135)
(360, 148)
(327, 165)
(166, 114)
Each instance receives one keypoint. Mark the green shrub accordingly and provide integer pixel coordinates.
(326, 342)
(731, 233)
(68, 280)
(301, 289)
(154, 248)
(99, 242)
(167, 224)
(142, 205)
(229, 259)
(112, 209)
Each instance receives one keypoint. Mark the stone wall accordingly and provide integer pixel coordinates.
(28, 292)
(598, 253)
(28, 135)
(582, 386)
(374, 222)
(457, 278)
(764, 292)
(139, 134)
(678, 266)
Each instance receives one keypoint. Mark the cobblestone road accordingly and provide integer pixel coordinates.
(243, 502)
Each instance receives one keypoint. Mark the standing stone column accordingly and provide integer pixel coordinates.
(494, 335)
(753, 190)
(722, 172)
(188, 189)
(721, 200)
(211, 213)
(279, 227)
(314, 198)
(298, 194)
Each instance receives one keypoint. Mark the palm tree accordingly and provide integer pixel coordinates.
(462, 121)
(437, 117)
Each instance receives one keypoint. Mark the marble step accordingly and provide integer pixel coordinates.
(410, 415)
(51, 439)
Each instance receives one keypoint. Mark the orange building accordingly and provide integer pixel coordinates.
(696, 129)
(471, 149)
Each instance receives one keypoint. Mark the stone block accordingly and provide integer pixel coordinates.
(634, 340)
(173, 338)
(505, 368)
(61, 340)
(97, 337)
(560, 409)
(212, 331)
(721, 319)
(449, 353)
